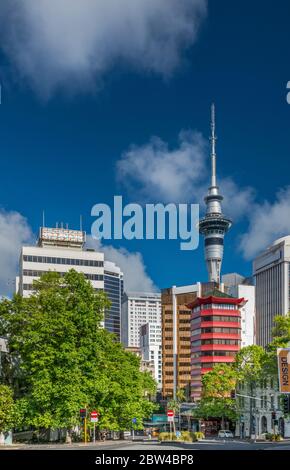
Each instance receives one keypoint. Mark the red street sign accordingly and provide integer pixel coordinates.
(170, 413)
(94, 414)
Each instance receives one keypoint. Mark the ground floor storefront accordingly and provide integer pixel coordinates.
(262, 423)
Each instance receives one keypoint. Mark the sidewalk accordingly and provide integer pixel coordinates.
(63, 445)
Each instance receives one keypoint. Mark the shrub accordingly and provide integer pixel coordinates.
(196, 436)
(274, 437)
(186, 436)
(164, 436)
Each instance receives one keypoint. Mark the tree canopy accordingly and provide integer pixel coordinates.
(6, 408)
(216, 400)
(66, 360)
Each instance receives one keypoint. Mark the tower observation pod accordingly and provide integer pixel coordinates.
(214, 225)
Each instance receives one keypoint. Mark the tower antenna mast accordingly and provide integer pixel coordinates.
(214, 225)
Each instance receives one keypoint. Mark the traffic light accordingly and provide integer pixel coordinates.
(286, 404)
(83, 413)
(233, 394)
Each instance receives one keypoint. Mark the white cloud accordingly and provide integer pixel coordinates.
(268, 221)
(238, 202)
(73, 43)
(14, 232)
(132, 264)
(155, 172)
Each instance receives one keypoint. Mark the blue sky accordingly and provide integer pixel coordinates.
(63, 133)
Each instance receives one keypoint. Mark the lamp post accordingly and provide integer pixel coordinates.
(251, 379)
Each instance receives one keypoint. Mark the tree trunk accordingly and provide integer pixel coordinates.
(68, 437)
(2, 438)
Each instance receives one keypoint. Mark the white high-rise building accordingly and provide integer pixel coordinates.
(272, 275)
(138, 308)
(239, 286)
(151, 348)
(59, 250)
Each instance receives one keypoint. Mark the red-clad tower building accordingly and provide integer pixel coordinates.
(215, 334)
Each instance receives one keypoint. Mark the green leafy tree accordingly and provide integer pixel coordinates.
(216, 401)
(66, 360)
(249, 363)
(216, 408)
(6, 408)
(281, 339)
(219, 382)
(122, 391)
(281, 330)
(175, 404)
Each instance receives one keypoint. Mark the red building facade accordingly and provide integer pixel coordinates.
(215, 334)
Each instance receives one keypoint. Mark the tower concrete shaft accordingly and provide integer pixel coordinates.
(214, 225)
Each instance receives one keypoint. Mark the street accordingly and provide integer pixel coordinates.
(147, 446)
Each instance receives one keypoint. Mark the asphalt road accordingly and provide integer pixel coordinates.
(154, 445)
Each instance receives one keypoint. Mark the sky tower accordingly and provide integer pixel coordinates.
(214, 225)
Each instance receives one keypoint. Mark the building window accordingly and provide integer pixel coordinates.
(70, 261)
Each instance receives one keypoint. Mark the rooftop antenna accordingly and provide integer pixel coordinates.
(213, 139)
(43, 219)
(81, 223)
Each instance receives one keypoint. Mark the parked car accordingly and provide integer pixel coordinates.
(225, 434)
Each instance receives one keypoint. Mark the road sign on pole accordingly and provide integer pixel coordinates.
(134, 421)
(94, 419)
(94, 416)
(170, 416)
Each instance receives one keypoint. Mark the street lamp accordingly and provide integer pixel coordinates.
(257, 419)
(273, 412)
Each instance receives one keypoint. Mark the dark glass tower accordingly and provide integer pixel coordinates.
(113, 287)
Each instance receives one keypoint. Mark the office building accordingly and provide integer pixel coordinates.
(176, 348)
(272, 275)
(138, 308)
(113, 286)
(59, 250)
(151, 348)
(215, 334)
(256, 414)
(241, 287)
